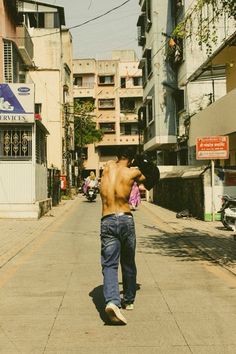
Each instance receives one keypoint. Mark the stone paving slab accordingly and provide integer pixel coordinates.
(16, 234)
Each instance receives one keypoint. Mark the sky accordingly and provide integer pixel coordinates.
(97, 39)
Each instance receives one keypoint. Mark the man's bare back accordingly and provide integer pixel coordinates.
(116, 183)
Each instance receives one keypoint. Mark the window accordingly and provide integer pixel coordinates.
(148, 15)
(38, 108)
(106, 103)
(41, 146)
(129, 129)
(84, 80)
(67, 73)
(149, 61)
(13, 64)
(106, 80)
(141, 29)
(149, 111)
(84, 100)
(123, 82)
(15, 142)
(78, 81)
(127, 105)
(146, 65)
(137, 81)
(43, 20)
(108, 128)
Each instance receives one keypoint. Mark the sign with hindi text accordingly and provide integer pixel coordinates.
(212, 148)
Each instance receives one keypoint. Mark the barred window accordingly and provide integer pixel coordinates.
(15, 143)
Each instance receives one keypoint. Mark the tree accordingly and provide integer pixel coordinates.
(202, 21)
(86, 131)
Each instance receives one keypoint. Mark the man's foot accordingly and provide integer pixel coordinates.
(126, 306)
(129, 307)
(114, 314)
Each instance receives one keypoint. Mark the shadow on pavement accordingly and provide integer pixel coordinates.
(98, 299)
(190, 245)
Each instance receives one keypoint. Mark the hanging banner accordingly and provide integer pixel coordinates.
(212, 148)
(16, 103)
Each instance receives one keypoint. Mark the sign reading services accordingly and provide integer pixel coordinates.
(212, 148)
(16, 103)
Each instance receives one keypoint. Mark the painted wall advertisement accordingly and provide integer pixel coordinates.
(16, 103)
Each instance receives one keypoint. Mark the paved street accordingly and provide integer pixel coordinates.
(51, 285)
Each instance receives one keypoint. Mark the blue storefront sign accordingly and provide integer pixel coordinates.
(16, 103)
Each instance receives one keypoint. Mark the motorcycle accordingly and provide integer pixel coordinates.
(91, 193)
(228, 212)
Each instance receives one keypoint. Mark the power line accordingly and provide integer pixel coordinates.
(88, 21)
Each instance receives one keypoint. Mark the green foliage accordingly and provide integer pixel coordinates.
(207, 14)
(86, 131)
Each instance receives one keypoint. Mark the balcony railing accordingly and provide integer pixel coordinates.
(25, 45)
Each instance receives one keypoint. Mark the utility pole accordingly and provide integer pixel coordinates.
(67, 150)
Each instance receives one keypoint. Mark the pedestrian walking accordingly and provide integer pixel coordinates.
(135, 197)
(118, 240)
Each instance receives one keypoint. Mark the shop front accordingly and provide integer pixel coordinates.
(23, 162)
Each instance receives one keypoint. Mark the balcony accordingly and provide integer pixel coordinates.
(110, 140)
(25, 45)
(84, 91)
(131, 92)
(141, 29)
(128, 140)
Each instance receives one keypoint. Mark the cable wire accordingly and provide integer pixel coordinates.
(88, 21)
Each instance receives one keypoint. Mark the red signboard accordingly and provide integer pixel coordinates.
(212, 148)
(63, 182)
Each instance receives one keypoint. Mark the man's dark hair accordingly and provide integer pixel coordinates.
(125, 153)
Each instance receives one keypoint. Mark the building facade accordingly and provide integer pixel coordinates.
(23, 163)
(159, 113)
(172, 94)
(52, 75)
(115, 87)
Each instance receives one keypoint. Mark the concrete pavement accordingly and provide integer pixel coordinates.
(51, 285)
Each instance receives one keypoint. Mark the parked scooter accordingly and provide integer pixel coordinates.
(91, 193)
(228, 212)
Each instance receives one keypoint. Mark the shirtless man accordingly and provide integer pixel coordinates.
(118, 238)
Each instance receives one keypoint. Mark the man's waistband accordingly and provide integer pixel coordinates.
(117, 214)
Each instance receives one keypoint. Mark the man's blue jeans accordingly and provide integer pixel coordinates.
(118, 242)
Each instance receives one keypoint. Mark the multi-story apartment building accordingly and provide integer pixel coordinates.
(158, 100)
(52, 75)
(171, 93)
(208, 77)
(115, 87)
(23, 170)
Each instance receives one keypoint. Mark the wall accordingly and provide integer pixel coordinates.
(180, 193)
(7, 30)
(16, 183)
(216, 119)
(41, 190)
(47, 92)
